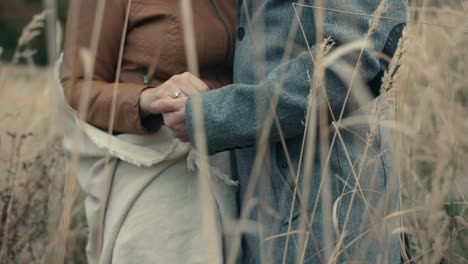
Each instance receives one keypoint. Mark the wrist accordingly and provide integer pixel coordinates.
(144, 103)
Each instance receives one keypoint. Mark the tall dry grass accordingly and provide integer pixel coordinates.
(431, 106)
(33, 164)
(427, 91)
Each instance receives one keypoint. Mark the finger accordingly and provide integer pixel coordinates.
(188, 89)
(197, 83)
(186, 86)
(181, 94)
(188, 83)
(168, 90)
(180, 82)
(176, 93)
(174, 119)
(181, 133)
(167, 105)
(163, 91)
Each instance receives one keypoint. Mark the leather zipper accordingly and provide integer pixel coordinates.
(146, 79)
(228, 33)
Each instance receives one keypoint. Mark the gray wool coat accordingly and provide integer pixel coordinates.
(344, 219)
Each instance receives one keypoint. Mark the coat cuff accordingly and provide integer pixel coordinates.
(135, 124)
(189, 122)
(190, 125)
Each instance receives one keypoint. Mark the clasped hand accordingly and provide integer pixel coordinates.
(169, 99)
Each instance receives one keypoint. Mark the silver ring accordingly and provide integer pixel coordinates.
(176, 94)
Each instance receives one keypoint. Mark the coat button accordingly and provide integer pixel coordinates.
(284, 165)
(240, 33)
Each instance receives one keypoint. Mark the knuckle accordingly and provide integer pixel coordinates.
(165, 87)
(168, 87)
(174, 80)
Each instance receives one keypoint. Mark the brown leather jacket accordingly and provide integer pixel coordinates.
(153, 52)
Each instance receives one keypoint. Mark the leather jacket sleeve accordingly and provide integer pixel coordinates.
(97, 90)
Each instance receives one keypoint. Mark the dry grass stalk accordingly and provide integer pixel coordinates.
(430, 94)
(212, 253)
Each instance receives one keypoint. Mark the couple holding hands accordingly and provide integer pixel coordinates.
(255, 57)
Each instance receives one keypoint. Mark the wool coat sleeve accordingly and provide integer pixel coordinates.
(231, 113)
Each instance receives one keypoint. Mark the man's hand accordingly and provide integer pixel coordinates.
(182, 85)
(174, 115)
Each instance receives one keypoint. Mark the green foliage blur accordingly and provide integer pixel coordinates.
(14, 15)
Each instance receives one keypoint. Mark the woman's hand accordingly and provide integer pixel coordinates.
(181, 85)
(187, 83)
(148, 96)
